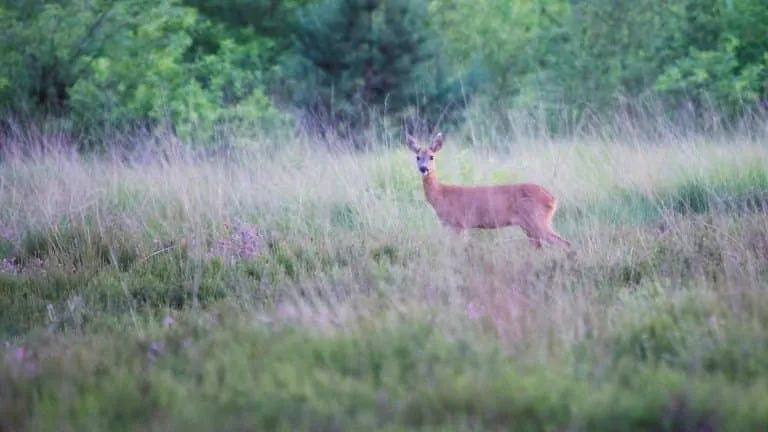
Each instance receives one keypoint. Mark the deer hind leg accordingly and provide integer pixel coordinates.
(526, 218)
(554, 237)
(551, 236)
(532, 232)
(535, 242)
(539, 229)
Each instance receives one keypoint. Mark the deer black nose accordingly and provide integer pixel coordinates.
(423, 169)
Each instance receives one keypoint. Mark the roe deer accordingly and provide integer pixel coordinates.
(527, 205)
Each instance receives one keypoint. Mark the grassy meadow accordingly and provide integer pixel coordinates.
(309, 289)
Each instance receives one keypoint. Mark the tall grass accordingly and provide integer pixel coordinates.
(312, 289)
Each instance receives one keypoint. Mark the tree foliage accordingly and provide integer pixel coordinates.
(202, 65)
(355, 58)
(591, 53)
(114, 63)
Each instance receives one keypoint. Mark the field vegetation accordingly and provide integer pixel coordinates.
(316, 290)
(209, 218)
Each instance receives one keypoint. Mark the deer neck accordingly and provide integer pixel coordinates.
(432, 187)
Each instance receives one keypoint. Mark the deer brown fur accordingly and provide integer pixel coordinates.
(527, 205)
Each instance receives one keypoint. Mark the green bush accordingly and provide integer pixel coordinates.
(693, 335)
(715, 77)
(110, 65)
(721, 190)
(223, 371)
(724, 189)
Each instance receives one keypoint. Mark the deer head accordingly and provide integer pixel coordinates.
(425, 157)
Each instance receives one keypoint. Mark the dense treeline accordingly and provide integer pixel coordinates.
(337, 66)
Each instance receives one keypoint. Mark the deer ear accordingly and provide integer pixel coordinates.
(437, 143)
(412, 143)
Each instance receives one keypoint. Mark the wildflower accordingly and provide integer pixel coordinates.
(18, 354)
(168, 320)
(154, 350)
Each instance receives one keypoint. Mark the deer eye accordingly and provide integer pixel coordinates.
(432, 157)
